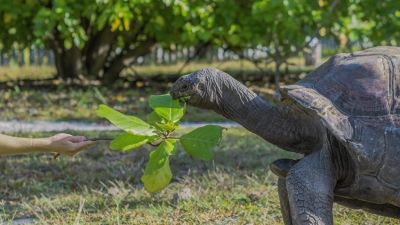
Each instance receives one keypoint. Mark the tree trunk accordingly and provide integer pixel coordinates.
(21, 57)
(313, 58)
(126, 59)
(40, 56)
(97, 59)
(69, 63)
(1, 58)
(98, 51)
(73, 62)
(31, 56)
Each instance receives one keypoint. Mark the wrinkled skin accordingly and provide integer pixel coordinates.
(216, 90)
(308, 186)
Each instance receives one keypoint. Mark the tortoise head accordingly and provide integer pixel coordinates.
(199, 88)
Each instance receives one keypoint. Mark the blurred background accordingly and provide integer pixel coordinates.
(60, 59)
(103, 48)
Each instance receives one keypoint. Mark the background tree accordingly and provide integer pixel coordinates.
(372, 24)
(282, 29)
(98, 39)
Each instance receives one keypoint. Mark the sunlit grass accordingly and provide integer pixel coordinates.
(69, 103)
(9, 73)
(29, 72)
(231, 66)
(62, 102)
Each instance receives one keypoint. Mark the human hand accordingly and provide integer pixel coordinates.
(67, 144)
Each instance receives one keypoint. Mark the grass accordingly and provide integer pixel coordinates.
(28, 72)
(9, 73)
(102, 187)
(65, 102)
(79, 104)
(54, 100)
(230, 66)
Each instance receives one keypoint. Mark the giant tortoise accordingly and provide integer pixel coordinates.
(344, 117)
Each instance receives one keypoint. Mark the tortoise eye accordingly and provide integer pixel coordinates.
(184, 87)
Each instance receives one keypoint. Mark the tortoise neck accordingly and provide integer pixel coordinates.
(283, 126)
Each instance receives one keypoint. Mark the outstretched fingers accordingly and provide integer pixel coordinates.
(83, 144)
(68, 144)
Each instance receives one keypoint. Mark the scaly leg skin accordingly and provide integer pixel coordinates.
(284, 201)
(281, 167)
(310, 184)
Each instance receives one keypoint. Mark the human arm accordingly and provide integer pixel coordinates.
(60, 143)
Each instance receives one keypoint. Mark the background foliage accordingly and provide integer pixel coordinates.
(91, 42)
(97, 40)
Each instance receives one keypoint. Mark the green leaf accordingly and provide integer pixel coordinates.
(128, 141)
(168, 126)
(166, 107)
(157, 174)
(199, 142)
(160, 123)
(129, 124)
(153, 118)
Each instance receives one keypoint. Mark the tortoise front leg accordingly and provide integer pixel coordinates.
(281, 168)
(310, 184)
(284, 201)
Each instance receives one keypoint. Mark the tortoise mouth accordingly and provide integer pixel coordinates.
(185, 98)
(180, 97)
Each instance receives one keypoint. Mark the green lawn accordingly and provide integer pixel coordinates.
(80, 103)
(53, 99)
(103, 187)
(15, 72)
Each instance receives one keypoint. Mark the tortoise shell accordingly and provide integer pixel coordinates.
(357, 97)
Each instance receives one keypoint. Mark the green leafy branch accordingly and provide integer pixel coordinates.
(158, 131)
